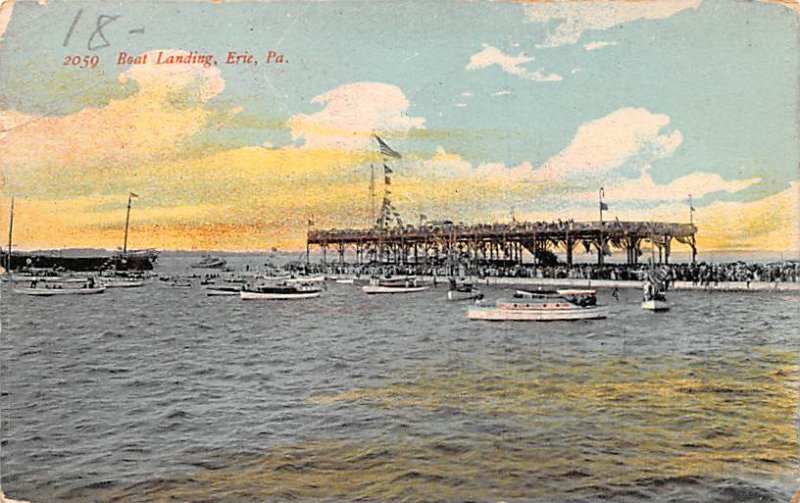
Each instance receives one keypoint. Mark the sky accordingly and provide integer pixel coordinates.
(499, 109)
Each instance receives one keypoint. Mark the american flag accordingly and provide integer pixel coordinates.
(386, 149)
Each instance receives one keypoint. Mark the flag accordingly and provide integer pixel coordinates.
(692, 208)
(387, 170)
(386, 149)
(134, 195)
(603, 206)
(423, 216)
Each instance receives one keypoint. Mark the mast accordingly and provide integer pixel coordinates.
(127, 223)
(131, 195)
(10, 235)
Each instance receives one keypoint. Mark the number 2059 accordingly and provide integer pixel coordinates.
(81, 62)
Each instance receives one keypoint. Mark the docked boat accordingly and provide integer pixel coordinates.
(222, 290)
(345, 281)
(282, 291)
(463, 291)
(209, 262)
(393, 285)
(543, 305)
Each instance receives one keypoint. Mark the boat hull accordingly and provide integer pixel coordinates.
(377, 289)
(219, 292)
(497, 314)
(655, 305)
(250, 295)
(49, 292)
(455, 295)
(123, 284)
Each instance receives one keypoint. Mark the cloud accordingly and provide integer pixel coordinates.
(645, 189)
(599, 44)
(490, 56)
(166, 109)
(575, 18)
(629, 138)
(351, 113)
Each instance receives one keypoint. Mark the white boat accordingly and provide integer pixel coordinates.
(280, 292)
(543, 305)
(345, 281)
(653, 292)
(220, 290)
(655, 305)
(49, 291)
(305, 279)
(393, 285)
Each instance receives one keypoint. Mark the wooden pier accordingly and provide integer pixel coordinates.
(439, 243)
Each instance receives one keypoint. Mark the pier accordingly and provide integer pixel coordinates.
(507, 243)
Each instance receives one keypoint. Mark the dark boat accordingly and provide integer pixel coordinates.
(82, 260)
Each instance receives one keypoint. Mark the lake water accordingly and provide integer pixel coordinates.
(161, 394)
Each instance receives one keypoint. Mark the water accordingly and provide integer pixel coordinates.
(160, 394)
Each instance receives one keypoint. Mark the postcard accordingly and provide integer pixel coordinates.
(354, 250)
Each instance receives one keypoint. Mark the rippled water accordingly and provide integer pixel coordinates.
(159, 394)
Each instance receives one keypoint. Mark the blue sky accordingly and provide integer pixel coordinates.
(719, 77)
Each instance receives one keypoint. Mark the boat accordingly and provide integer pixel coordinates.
(122, 282)
(222, 290)
(48, 290)
(209, 262)
(654, 288)
(305, 279)
(345, 281)
(654, 299)
(282, 291)
(463, 291)
(393, 285)
(543, 305)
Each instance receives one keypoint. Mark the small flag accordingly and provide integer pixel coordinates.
(603, 206)
(134, 195)
(423, 216)
(692, 208)
(386, 149)
(387, 170)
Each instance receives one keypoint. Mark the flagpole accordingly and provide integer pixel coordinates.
(127, 223)
(691, 222)
(601, 250)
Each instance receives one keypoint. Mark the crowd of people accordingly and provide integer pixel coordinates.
(701, 273)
